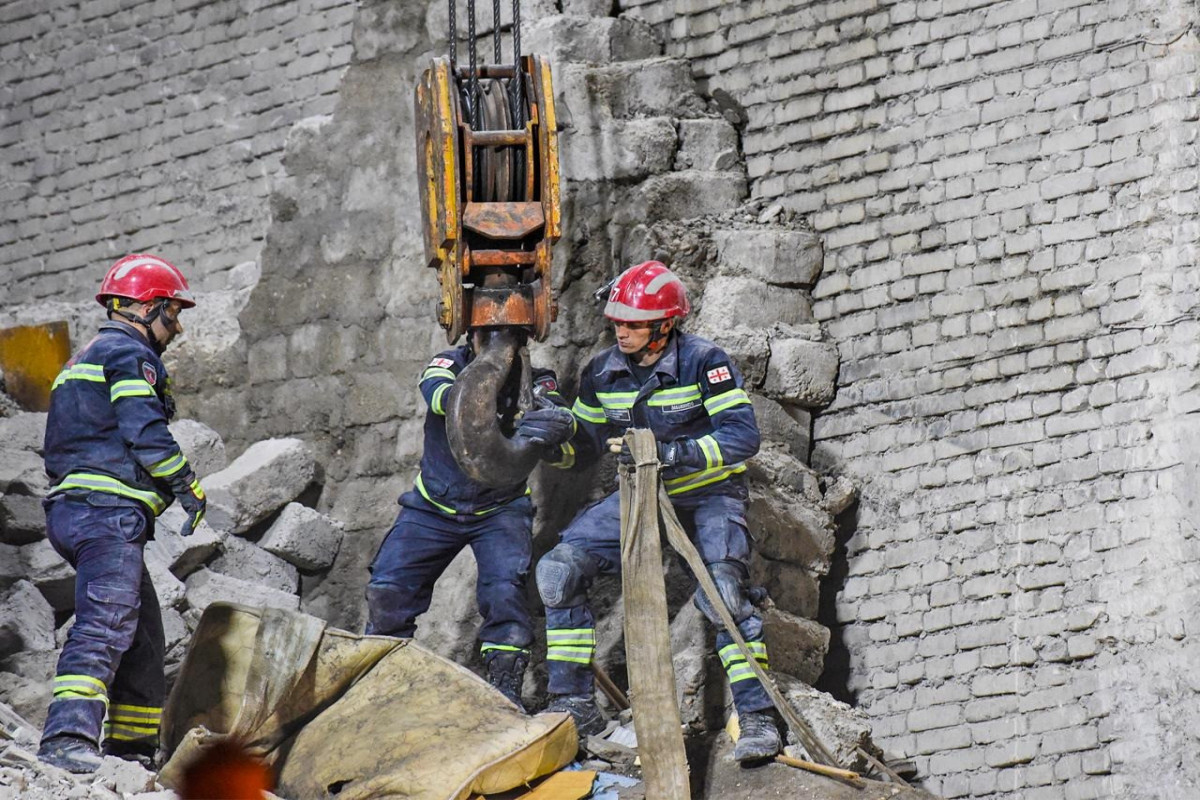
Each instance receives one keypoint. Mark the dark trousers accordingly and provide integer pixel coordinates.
(422, 543)
(113, 658)
(591, 544)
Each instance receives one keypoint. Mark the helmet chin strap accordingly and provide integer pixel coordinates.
(657, 341)
(156, 311)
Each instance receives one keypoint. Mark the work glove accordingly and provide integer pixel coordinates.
(549, 426)
(186, 487)
(670, 454)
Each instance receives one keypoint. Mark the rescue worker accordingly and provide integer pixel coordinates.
(115, 466)
(689, 393)
(446, 510)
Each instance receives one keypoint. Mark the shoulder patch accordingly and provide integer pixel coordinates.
(719, 375)
(149, 373)
(442, 362)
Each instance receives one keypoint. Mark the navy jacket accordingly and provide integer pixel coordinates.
(695, 397)
(107, 427)
(441, 481)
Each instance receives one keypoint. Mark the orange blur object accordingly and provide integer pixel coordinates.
(226, 772)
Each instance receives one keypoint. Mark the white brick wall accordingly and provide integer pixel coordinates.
(1007, 192)
(150, 126)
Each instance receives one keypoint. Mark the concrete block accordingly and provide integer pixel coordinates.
(623, 150)
(795, 645)
(185, 554)
(22, 519)
(839, 727)
(27, 684)
(22, 472)
(260, 481)
(26, 620)
(588, 95)
(249, 562)
(53, 576)
(777, 257)
(12, 565)
(751, 303)
(789, 425)
(787, 530)
(170, 589)
(25, 430)
(304, 537)
(709, 143)
(126, 778)
(201, 444)
(600, 40)
(686, 194)
(205, 587)
(792, 588)
(801, 371)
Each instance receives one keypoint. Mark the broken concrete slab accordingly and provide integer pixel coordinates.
(125, 777)
(28, 696)
(249, 562)
(206, 587)
(626, 90)
(202, 446)
(686, 194)
(627, 150)
(789, 425)
(841, 728)
(12, 565)
(25, 430)
(707, 143)
(26, 620)
(304, 537)
(801, 371)
(184, 554)
(775, 256)
(22, 472)
(600, 40)
(22, 519)
(167, 586)
(792, 588)
(260, 481)
(50, 573)
(797, 645)
(742, 298)
(791, 531)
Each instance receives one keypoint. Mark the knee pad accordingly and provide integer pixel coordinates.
(731, 579)
(563, 576)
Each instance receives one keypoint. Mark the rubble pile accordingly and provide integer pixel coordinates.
(256, 547)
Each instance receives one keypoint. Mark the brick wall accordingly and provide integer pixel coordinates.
(153, 125)
(1007, 193)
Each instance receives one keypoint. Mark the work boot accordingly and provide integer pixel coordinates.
(582, 709)
(506, 671)
(130, 751)
(759, 737)
(72, 753)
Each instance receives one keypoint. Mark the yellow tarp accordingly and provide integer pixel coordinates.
(352, 717)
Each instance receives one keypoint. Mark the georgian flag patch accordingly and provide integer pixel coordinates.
(718, 375)
(149, 373)
(549, 383)
(441, 362)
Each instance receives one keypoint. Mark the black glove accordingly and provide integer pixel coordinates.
(550, 426)
(186, 487)
(670, 454)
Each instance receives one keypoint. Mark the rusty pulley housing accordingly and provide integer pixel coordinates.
(487, 158)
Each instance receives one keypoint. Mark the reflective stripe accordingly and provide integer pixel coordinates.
(80, 687)
(720, 402)
(735, 663)
(712, 451)
(133, 388)
(674, 395)
(576, 645)
(109, 485)
(704, 477)
(508, 648)
(168, 466)
(420, 484)
(439, 394)
(616, 400)
(80, 372)
(131, 723)
(568, 457)
(437, 372)
(587, 413)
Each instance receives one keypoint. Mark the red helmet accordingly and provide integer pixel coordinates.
(143, 277)
(645, 293)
